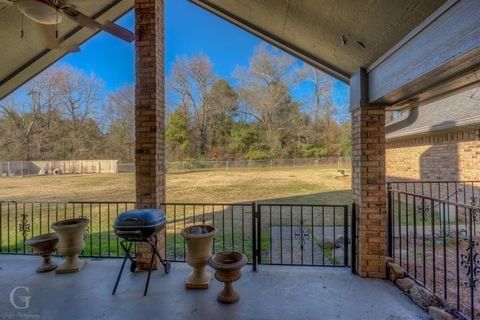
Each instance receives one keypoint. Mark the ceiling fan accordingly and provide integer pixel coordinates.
(50, 13)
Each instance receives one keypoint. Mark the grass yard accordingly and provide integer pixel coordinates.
(314, 185)
(309, 185)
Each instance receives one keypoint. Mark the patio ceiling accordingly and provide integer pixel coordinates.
(23, 58)
(410, 50)
(337, 36)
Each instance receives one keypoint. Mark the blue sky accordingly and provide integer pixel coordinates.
(189, 30)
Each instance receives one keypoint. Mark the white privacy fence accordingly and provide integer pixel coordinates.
(27, 168)
(57, 167)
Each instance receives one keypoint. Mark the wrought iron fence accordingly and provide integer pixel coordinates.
(20, 221)
(464, 192)
(436, 240)
(266, 233)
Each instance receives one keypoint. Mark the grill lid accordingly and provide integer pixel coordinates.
(140, 218)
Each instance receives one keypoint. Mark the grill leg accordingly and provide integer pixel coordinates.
(150, 269)
(127, 256)
(165, 263)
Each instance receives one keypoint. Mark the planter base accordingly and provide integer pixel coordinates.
(69, 268)
(228, 295)
(198, 283)
(47, 265)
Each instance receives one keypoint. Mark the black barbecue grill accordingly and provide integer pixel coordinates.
(140, 225)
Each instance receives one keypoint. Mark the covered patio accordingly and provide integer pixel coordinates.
(271, 293)
(393, 54)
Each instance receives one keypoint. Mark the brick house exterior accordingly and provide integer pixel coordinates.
(436, 142)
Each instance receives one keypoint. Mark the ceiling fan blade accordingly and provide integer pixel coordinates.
(51, 41)
(48, 33)
(110, 27)
(80, 18)
(71, 48)
(118, 31)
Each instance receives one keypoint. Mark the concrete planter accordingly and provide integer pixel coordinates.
(43, 245)
(70, 233)
(199, 241)
(227, 267)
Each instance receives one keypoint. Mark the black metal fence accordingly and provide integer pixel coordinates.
(436, 240)
(315, 235)
(463, 192)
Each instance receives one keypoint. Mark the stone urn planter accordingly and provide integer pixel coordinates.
(227, 267)
(70, 234)
(43, 245)
(199, 241)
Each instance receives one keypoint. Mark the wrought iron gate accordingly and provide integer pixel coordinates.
(301, 234)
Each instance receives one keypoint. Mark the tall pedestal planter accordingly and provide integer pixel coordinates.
(70, 234)
(199, 241)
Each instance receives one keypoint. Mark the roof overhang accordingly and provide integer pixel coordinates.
(456, 112)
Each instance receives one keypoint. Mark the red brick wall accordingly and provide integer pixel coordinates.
(368, 185)
(149, 114)
(451, 155)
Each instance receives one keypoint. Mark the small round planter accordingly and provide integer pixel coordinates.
(43, 245)
(70, 234)
(227, 267)
(199, 240)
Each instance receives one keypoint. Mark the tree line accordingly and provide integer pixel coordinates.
(276, 107)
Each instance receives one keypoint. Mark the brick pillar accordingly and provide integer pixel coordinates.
(368, 185)
(149, 114)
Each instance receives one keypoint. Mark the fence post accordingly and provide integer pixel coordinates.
(354, 238)
(390, 220)
(254, 236)
(345, 236)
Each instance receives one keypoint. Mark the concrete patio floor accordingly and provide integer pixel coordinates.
(273, 292)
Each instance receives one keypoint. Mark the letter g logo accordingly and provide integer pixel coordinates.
(24, 300)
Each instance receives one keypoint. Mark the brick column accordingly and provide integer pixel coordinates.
(368, 185)
(149, 114)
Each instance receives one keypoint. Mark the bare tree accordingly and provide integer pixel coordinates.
(33, 116)
(190, 82)
(79, 97)
(265, 89)
(119, 123)
(321, 98)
